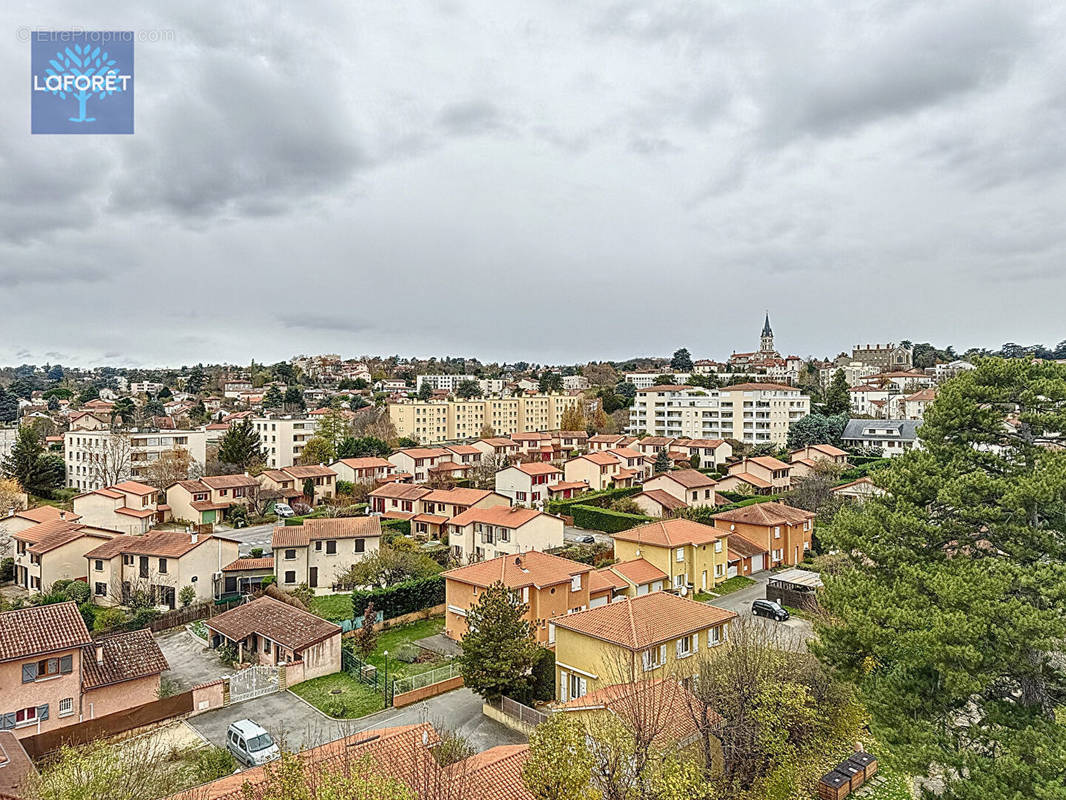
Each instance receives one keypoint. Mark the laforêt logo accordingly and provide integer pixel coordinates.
(82, 81)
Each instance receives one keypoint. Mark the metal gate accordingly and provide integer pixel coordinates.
(253, 682)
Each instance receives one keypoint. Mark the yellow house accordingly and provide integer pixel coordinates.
(654, 636)
(694, 556)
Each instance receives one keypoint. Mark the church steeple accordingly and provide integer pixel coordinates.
(766, 340)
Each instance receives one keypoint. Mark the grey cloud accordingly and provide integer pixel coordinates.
(470, 118)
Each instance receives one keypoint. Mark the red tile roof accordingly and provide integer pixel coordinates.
(134, 487)
(325, 528)
(538, 468)
(278, 621)
(16, 768)
(229, 481)
(638, 570)
(689, 478)
(533, 568)
(242, 564)
(126, 657)
(663, 498)
(369, 462)
(313, 471)
(47, 514)
(507, 516)
(39, 630)
(47, 536)
(662, 709)
(670, 533)
(766, 514)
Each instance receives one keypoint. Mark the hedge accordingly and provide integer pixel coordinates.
(600, 499)
(862, 470)
(603, 519)
(401, 598)
(737, 497)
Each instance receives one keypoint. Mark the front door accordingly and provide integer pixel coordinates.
(313, 578)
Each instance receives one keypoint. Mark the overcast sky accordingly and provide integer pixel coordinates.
(545, 181)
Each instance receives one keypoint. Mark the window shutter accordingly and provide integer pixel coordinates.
(647, 659)
(29, 672)
(42, 712)
(564, 685)
(677, 646)
(662, 654)
(695, 642)
(584, 686)
(66, 664)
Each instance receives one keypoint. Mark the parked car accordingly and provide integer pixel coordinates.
(769, 608)
(250, 743)
(587, 540)
(284, 510)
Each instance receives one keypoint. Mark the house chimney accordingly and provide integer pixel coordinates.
(194, 536)
(62, 515)
(99, 654)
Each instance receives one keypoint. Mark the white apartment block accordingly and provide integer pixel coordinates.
(753, 413)
(7, 441)
(645, 380)
(283, 438)
(95, 459)
(446, 383)
(452, 420)
(575, 383)
(145, 387)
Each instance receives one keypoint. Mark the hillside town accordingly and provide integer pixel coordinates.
(247, 564)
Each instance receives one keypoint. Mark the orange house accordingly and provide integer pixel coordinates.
(782, 531)
(550, 586)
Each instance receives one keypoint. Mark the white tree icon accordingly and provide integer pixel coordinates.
(81, 72)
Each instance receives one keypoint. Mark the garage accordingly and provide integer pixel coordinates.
(756, 563)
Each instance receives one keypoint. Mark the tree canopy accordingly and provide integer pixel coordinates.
(240, 446)
(498, 650)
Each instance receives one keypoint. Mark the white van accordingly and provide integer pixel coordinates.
(250, 743)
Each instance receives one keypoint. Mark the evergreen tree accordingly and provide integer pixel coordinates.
(550, 382)
(123, 411)
(272, 397)
(498, 649)
(38, 471)
(682, 361)
(196, 381)
(9, 406)
(837, 396)
(947, 612)
(425, 391)
(468, 389)
(165, 394)
(662, 461)
(294, 399)
(240, 446)
(88, 393)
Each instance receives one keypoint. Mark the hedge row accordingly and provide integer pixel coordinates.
(401, 598)
(737, 497)
(603, 519)
(601, 499)
(862, 470)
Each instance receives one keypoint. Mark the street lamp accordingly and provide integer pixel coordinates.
(386, 685)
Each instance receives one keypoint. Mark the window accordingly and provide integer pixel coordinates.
(575, 583)
(127, 560)
(100, 589)
(654, 657)
(578, 686)
(719, 570)
(27, 716)
(680, 554)
(777, 531)
(66, 706)
(714, 637)
(679, 581)
(290, 555)
(331, 547)
(266, 645)
(688, 645)
(778, 555)
(290, 576)
(360, 545)
(718, 546)
(98, 565)
(162, 566)
(318, 546)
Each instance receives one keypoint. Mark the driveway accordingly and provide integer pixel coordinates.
(796, 631)
(577, 534)
(254, 536)
(190, 663)
(297, 724)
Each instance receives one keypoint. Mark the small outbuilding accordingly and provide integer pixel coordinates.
(795, 587)
(279, 633)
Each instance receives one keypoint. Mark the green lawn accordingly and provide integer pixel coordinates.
(395, 637)
(332, 606)
(340, 696)
(734, 584)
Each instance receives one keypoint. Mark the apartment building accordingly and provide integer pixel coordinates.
(52, 673)
(453, 420)
(442, 383)
(320, 552)
(753, 413)
(282, 438)
(527, 483)
(484, 533)
(645, 380)
(96, 458)
(633, 639)
(53, 551)
(885, 357)
(693, 556)
(127, 507)
(548, 585)
(161, 563)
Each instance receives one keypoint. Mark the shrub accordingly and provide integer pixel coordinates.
(88, 613)
(256, 552)
(78, 591)
(269, 580)
(601, 499)
(7, 570)
(407, 653)
(107, 619)
(227, 654)
(345, 487)
(212, 763)
(401, 598)
(186, 596)
(601, 519)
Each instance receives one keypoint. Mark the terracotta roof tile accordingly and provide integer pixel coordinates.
(126, 656)
(538, 468)
(134, 487)
(369, 462)
(47, 514)
(766, 514)
(663, 498)
(229, 481)
(400, 491)
(312, 471)
(689, 478)
(532, 568)
(507, 516)
(41, 629)
(278, 621)
(670, 533)
(638, 571)
(242, 564)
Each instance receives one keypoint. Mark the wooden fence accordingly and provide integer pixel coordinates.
(42, 744)
(180, 616)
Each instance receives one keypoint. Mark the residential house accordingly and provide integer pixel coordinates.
(497, 447)
(205, 501)
(319, 552)
(534, 445)
(746, 557)
(548, 585)
(418, 460)
(609, 441)
(764, 474)
(633, 578)
(368, 469)
(651, 636)
(564, 443)
(245, 575)
(600, 470)
(281, 484)
(892, 437)
(915, 405)
(712, 453)
(17, 771)
(21, 520)
(657, 503)
(690, 486)
(439, 506)
(128, 507)
(483, 533)
(321, 477)
(270, 632)
(527, 483)
(161, 563)
(859, 491)
(869, 399)
(52, 551)
(631, 459)
(693, 555)
(465, 455)
(52, 673)
(650, 446)
(783, 532)
(397, 500)
(811, 459)
(564, 490)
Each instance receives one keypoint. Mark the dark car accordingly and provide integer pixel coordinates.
(768, 608)
(587, 539)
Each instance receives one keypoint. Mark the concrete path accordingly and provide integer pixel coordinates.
(190, 664)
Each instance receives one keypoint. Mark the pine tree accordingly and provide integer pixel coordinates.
(294, 399)
(682, 361)
(837, 396)
(196, 381)
(28, 463)
(947, 612)
(662, 461)
(240, 446)
(9, 406)
(498, 648)
(272, 398)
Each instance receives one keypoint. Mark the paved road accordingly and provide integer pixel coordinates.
(577, 534)
(255, 536)
(297, 724)
(796, 631)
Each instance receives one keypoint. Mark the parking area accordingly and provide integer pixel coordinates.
(190, 664)
(795, 632)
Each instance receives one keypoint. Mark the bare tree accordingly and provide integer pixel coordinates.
(484, 473)
(170, 467)
(110, 462)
